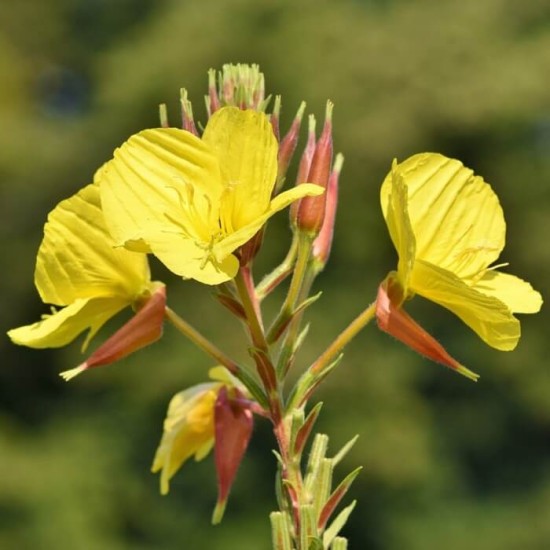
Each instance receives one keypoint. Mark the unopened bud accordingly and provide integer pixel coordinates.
(212, 99)
(188, 122)
(323, 242)
(239, 85)
(304, 166)
(288, 146)
(311, 211)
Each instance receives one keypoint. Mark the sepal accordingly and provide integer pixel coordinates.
(394, 320)
(143, 329)
(233, 427)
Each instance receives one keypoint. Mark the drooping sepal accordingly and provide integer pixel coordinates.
(143, 329)
(394, 320)
(233, 427)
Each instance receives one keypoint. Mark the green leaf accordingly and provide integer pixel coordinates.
(337, 524)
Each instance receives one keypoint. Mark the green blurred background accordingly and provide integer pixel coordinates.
(447, 463)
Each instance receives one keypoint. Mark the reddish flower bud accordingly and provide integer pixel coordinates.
(212, 99)
(188, 122)
(395, 321)
(233, 424)
(144, 328)
(323, 243)
(311, 211)
(304, 166)
(288, 146)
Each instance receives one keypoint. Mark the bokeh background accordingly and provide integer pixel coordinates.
(447, 463)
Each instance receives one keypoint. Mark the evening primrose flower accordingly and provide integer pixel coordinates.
(193, 201)
(79, 269)
(448, 228)
(197, 419)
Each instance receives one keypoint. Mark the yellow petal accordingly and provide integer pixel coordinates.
(77, 258)
(192, 260)
(489, 317)
(188, 430)
(64, 326)
(394, 201)
(246, 148)
(456, 217)
(241, 236)
(518, 295)
(160, 179)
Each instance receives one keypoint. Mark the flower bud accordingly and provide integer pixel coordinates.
(323, 242)
(144, 328)
(188, 122)
(239, 85)
(304, 166)
(287, 146)
(212, 99)
(311, 211)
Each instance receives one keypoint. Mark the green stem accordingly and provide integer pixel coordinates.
(299, 289)
(296, 284)
(280, 273)
(330, 354)
(304, 252)
(203, 343)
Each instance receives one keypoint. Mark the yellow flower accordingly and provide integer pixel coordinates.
(189, 426)
(448, 228)
(78, 267)
(193, 202)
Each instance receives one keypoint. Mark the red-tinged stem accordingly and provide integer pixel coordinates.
(247, 294)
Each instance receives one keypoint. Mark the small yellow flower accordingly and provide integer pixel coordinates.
(448, 228)
(78, 267)
(188, 427)
(192, 202)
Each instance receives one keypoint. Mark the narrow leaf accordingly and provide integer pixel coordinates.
(305, 431)
(344, 450)
(336, 497)
(337, 524)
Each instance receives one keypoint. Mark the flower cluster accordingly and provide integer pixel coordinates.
(199, 203)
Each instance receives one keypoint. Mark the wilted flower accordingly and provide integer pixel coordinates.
(200, 417)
